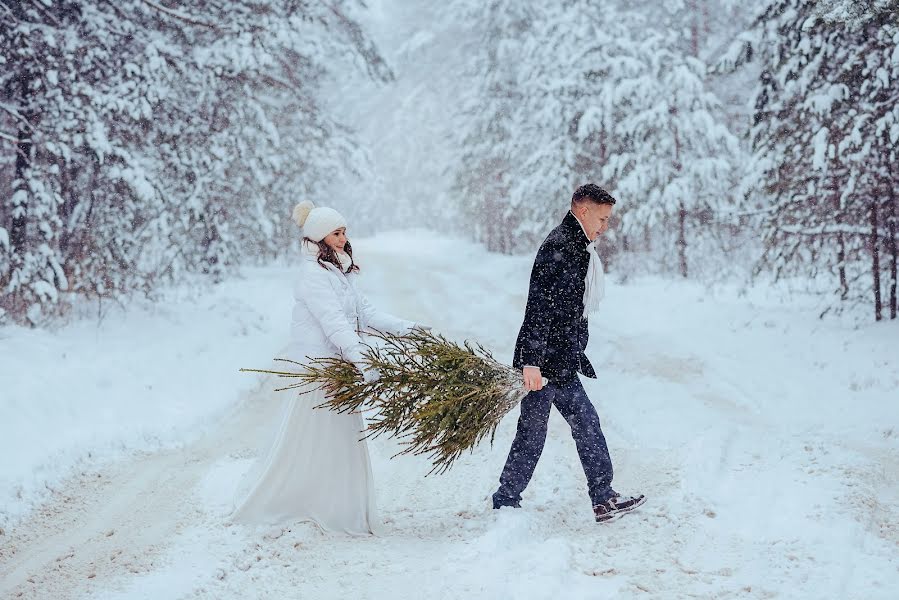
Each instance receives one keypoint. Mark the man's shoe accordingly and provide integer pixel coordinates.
(500, 501)
(616, 506)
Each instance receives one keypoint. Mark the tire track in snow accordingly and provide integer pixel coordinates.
(118, 521)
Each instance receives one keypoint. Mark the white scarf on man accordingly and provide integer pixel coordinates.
(595, 282)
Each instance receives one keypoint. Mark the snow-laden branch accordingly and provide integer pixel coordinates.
(9, 138)
(42, 8)
(16, 114)
(746, 213)
(833, 229)
(179, 15)
(9, 11)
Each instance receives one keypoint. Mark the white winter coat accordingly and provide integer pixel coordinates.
(329, 312)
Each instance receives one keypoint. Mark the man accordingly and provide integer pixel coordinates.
(566, 284)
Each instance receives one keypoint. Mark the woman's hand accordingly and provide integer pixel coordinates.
(371, 375)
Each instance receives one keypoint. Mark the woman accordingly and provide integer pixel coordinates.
(318, 468)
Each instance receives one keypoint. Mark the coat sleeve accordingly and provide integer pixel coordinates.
(381, 321)
(316, 291)
(544, 293)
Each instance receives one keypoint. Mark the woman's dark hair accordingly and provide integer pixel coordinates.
(593, 193)
(327, 254)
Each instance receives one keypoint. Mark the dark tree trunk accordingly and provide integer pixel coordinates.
(682, 238)
(694, 28)
(706, 21)
(17, 233)
(492, 218)
(893, 259)
(18, 238)
(841, 250)
(682, 209)
(875, 261)
(841, 266)
(892, 243)
(66, 208)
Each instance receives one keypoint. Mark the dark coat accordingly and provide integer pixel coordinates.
(554, 333)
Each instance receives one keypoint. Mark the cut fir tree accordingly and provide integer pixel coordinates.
(438, 397)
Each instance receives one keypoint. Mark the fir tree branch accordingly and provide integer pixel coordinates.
(437, 397)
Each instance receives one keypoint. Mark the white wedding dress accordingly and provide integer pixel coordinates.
(317, 468)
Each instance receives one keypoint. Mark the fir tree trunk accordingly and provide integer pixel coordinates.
(694, 29)
(841, 251)
(211, 259)
(841, 261)
(17, 238)
(892, 244)
(17, 232)
(893, 259)
(841, 241)
(682, 238)
(682, 209)
(875, 261)
(492, 218)
(706, 21)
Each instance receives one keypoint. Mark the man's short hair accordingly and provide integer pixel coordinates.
(591, 192)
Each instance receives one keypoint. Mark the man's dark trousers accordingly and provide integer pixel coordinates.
(571, 400)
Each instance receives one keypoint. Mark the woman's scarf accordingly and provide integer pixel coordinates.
(312, 250)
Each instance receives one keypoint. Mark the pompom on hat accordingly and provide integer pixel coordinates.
(317, 222)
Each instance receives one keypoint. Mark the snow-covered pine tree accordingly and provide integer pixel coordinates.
(489, 142)
(857, 11)
(673, 154)
(568, 95)
(823, 141)
(151, 142)
(30, 218)
(873, 141)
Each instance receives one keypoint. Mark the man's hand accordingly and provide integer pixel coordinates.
(533, 380)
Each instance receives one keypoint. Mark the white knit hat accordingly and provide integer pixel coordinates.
(317, 223)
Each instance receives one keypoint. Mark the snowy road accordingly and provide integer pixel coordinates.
(766, 442)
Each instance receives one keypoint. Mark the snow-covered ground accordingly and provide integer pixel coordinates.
(766, 440)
